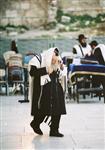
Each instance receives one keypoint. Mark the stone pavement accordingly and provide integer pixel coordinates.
(83, 127)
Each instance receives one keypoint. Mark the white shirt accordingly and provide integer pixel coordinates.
(86, 50)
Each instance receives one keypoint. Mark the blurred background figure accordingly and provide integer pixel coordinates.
(82, 48)
(98, 50)
(14, 67)
(13, 50)
(14, 46)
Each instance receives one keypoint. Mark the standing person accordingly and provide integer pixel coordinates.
(82, 48)
(46, 92)
(14, 46)
(13, 61)
(98, 51)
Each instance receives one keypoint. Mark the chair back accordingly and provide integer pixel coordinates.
(15, 73)
(15, 60)
(27, 58)
(2, 73)
(15, 68)
(7, 55)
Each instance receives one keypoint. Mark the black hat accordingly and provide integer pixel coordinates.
(95, 43)
(81, 36)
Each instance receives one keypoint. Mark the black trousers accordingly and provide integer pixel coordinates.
(98, 80)
(55, 120)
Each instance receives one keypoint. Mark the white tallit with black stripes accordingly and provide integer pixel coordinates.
(46, 58)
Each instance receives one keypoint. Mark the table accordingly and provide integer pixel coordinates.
(84, 70)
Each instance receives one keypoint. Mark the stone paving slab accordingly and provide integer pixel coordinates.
(83, 127)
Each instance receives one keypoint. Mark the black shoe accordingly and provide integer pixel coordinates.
(36, 129)
(56, 134)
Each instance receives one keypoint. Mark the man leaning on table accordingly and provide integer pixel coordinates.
(98, 51)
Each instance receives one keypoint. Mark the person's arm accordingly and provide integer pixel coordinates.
(34, 71)
(74, 51)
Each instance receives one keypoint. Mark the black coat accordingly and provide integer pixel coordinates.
(52, 99)
(98, 56)
(100, 59)
(52, 96)
(36, 73)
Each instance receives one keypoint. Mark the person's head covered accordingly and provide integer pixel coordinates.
(82, 40)
(51, 56)
(81, 37)
(93, 43)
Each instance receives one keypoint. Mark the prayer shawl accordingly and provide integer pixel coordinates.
(46, 58)
(84, 50)
(102, 48)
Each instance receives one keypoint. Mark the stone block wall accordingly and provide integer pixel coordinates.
(80, 7)
(34, 13)
(25, 12)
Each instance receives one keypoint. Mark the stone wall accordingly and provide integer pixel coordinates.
(34, 13)
(80, 7)
(26, 12)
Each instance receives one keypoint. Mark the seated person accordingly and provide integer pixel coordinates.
(12, 51)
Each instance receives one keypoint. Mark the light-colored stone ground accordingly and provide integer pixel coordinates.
(83, 126)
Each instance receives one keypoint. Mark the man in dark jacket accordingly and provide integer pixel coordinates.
(98, 51)
(47, 93)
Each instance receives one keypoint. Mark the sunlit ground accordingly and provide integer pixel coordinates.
(82, 126)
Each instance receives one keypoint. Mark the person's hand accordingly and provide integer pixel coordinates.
(49, 69)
